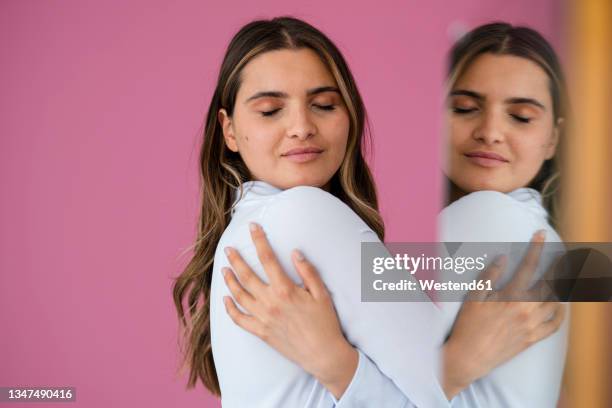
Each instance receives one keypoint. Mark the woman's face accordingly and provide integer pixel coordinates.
(290, 124)
(500, 124)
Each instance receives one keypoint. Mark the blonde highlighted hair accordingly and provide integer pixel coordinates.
(504, 39)
(223, 172)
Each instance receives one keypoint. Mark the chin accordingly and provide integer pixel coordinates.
(306, 180)
(480, 185)
(309, 178)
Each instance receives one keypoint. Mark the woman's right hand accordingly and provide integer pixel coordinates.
(489, 330)
(300, 322)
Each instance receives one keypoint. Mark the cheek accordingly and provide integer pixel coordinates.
(256, 143)
(459, 132)
(531, 148)
(336, 133)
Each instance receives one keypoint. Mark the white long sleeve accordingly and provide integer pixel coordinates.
(371, 388)
(532, 379)
(329, 234)
(399, 338)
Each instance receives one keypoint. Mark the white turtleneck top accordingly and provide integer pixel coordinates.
(398, 343)
(396, 337)
(532, 379)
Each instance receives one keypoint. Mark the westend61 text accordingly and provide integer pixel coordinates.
(430, 284)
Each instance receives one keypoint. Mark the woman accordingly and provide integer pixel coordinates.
(506, 120)
(286, 113)
(526, 99)
(282, 147)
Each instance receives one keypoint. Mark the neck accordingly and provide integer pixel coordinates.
(326, 187)
(453, 193)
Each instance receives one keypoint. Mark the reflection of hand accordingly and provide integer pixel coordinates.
(490, 330)
(299, 322)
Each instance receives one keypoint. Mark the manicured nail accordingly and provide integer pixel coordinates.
(298, 255)
(499, 260)
(253, 226)
(227, 250)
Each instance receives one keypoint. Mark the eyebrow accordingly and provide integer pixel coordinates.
(278, 94)
(511, 101)
(322, 89)
(465, 92)
(530, 101)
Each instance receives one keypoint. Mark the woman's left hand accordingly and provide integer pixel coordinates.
(299, 322)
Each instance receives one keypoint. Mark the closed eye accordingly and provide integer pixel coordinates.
(521, 119)
(462, 111)
(270, 112)
(325, 107)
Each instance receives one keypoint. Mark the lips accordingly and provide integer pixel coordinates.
(302, 150)
(486, 159)
(302, 154)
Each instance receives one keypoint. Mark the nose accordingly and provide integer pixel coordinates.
(301, 124)
(490, 128)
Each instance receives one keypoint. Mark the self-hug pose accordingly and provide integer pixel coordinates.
(283, 153)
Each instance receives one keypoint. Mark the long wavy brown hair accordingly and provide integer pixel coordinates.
(223, 172)
(504, 39)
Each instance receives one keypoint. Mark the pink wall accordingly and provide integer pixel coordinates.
(100, 113)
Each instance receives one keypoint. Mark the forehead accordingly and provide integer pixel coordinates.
(505, 76)
(290, 71)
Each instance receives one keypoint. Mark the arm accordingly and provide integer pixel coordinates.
(533, 377)
(371, 388)
(481, 318)
(300, 323)
(399, 338)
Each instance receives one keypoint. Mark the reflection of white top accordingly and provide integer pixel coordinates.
(532, 378)
(397, 337)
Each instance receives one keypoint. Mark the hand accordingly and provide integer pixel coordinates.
(299, 322)
(489, 331)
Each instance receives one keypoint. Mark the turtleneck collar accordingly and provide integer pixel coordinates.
(253, 191)
(531, 198)
(257, 190)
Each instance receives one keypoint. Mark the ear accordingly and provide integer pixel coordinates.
(551, 149)
(228, 130)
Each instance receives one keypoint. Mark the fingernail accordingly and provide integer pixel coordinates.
(499, 260)
(298, 255)
(253, 226)
(224, 271)
(541, 234)
(227, 250)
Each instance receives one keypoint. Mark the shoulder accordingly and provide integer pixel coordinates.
(310, 202)
(490, 216)
(485, 199)
(308, 196)
(307, 208)
(485, 206)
